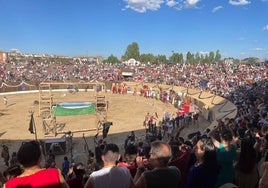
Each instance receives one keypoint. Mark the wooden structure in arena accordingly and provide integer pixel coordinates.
(47, 100)
(46, 93)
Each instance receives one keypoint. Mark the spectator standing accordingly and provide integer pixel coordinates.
(14, 160)
(65, 166)
(246, 170)
(110, 175)
(181, 155)
(161, 174)
(204, 173)
(29, 156)
(79, 172)
(263, 183)
(5, 154)
(226, 153)
(130, 159)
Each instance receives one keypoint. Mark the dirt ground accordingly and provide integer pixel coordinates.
(126, 112)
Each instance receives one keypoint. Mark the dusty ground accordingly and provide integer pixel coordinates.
(127, 113)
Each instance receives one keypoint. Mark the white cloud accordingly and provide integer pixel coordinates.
(183, 4)
(265, 28)
(258, 49)
(191, 3)
(217, 8)
(239, 2)
(171, 3)
(143, 5)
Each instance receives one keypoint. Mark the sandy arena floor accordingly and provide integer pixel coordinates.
(127, 112)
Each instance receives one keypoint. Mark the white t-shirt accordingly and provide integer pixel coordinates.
(118, 177)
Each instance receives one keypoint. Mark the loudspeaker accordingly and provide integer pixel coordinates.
(55, 146)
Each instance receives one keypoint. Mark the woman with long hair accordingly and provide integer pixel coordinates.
(204, 173)
(246, 170)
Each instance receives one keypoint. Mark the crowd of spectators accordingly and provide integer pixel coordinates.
(220, 78)
(234, 152)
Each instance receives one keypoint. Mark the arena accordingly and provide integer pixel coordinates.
(125, 111)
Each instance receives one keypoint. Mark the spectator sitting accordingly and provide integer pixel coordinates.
(110, 175)
(29, 156)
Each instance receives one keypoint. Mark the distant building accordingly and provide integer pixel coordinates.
(15, 52)
(3, 57)
(127, 72)
(131, 62)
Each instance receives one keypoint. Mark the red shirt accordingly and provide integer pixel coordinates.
(44, 178)
(132, 168)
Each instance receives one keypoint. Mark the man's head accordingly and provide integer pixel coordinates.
(160, 153)
(79, 169)
(29, 154)
(130, 154)
(110, 153)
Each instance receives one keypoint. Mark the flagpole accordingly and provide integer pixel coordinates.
(35, 133)
(32, 127)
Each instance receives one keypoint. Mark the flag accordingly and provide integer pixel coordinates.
(31, 125)
(106, 127)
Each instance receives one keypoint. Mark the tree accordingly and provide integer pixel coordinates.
(218, 56)
(197, 57)
(176, 58)
(251, 60)
(112, 59)
(236, 61)
(132, 51)
(211, 57)
(145, 58)
(189, 57)
(161, 59)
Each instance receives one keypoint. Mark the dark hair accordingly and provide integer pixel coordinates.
(79, 169)
(131, 150)
(111, 153)
(210, 156)
(247, 158)
(29, 153)
(226, 135)
(110, 147)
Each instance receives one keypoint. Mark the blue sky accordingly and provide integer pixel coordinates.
(237, 28)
